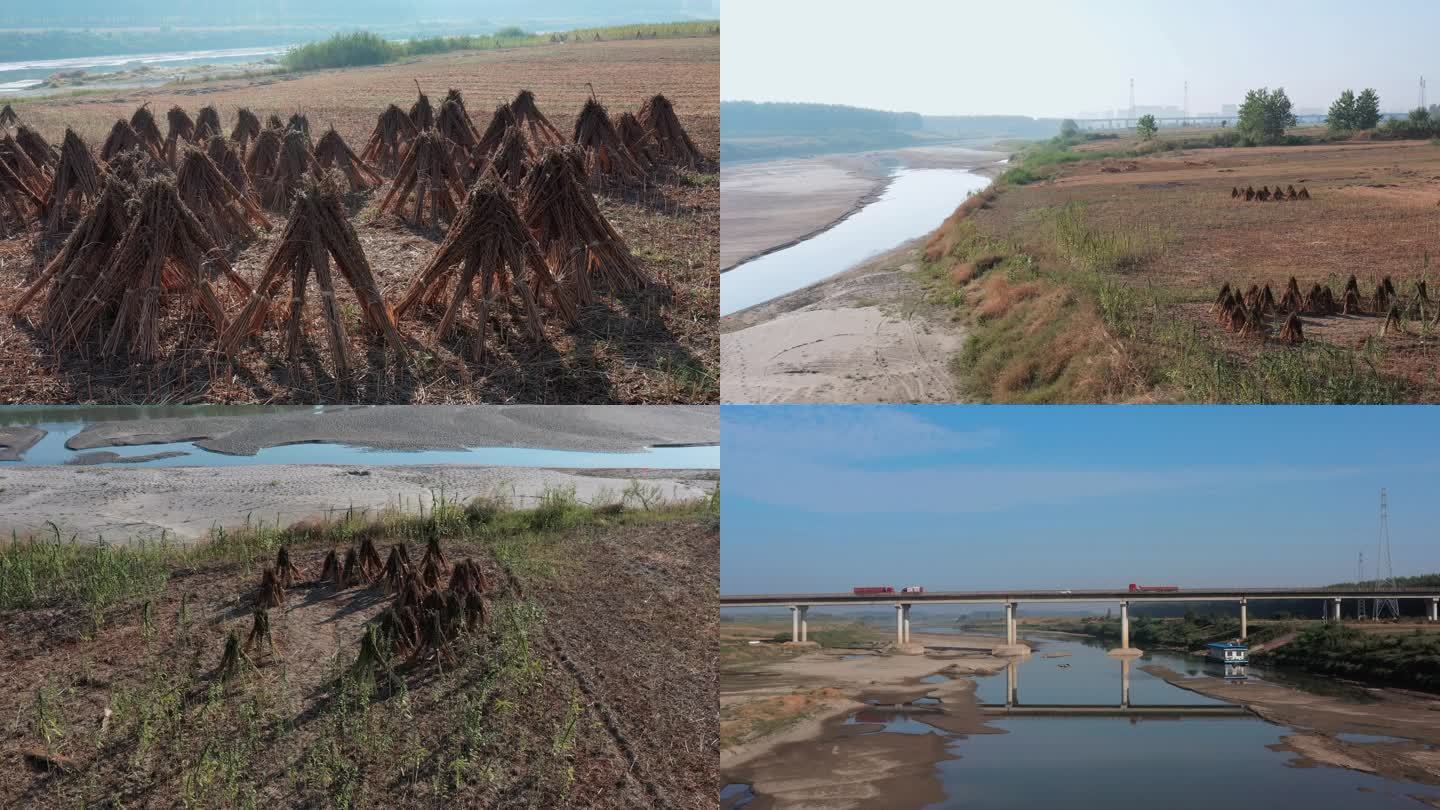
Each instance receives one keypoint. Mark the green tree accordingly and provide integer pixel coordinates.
(1146, 126)
(1420, 118)
(1367, 109)
(1342, 113)
(1265, 115)
(1069, 129)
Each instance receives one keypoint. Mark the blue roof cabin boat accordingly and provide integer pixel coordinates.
(1228, 652)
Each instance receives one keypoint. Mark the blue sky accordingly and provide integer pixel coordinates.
(818, 498)
(1059, 58)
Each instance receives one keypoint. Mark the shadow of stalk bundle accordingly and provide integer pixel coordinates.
(579, 244)
(488, 243)
(316, 232)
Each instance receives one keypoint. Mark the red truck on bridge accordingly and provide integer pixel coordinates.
(874, 590)
(1140, 588)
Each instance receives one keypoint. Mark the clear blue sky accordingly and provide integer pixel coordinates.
(821, 498)
(1058, 57)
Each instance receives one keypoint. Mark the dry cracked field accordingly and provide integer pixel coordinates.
(1111, 267)
(591, 684)
(656, 346)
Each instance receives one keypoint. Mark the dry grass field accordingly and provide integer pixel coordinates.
(591, 682)
(1097, 282)
(659, 345)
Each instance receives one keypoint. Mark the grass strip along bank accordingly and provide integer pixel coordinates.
(367, 48)
(1060, 308)
(145, 675)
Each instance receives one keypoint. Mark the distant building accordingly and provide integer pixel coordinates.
(1228, 652)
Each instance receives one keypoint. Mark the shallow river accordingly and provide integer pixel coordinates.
(1170, 760)
(916, 201)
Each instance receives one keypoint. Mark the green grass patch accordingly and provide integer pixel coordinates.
(357, 48)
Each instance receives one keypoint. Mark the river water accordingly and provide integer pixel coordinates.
(16, 77)
(61, 423)
(1143, 761)
(915, 203)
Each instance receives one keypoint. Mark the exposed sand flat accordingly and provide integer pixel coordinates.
(560, 427)
(765, 206)
(864, 336)
(14, 441)
(185, 502)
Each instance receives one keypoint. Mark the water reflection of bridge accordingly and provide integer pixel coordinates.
(1124, 708)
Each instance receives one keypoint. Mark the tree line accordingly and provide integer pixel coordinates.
(1266, 115)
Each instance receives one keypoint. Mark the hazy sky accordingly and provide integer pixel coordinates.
(1059, 58)
(826, 498)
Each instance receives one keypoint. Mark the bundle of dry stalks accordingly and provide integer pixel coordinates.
(330, 569)
(143, 122)
(352, 573)
(1319, 301)
(422, 115)
(502, 121)
(316, 232)
(1293, 333)
(489, 243)
(260, 634)
(579, 244)
(370, 562)
(300, 123)
(8, 116)
(509, 162)
(223, 154)
(1292, 300)
(639, 140)
(1350, 300)
(233, 661)
(533, 123)
(605, 155)
(293, 165)
(13, 155)
(333, 153)
(181, 128)
(264, 156)
(40, 152)
(75, 183)
(672, 142)
(454, 123)
(226, 210)
(428, 171)
(393, 131)
(285, 568)
(122, 138)
(18, 202)
(77, 266)
(134, 166)
(397, 570)
(207, 124)
(165, 252)
(247, 127)
(271, 594)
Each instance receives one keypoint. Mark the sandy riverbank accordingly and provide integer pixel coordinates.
(127, 503)
(771, 205)
(14, 441)
(864, 336)
(820, 759)
(560, 427)
(1323, 723)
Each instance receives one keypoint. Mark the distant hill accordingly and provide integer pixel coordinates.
(765, 130)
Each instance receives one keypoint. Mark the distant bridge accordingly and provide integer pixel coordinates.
(1330, 600)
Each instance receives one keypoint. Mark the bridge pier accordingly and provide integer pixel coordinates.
(1244, 624)
(795, 623)
(907, 623)
(1012, 645)
(1124, 683)
(1435, 609)
(1012, 685)
(804, 624)
(1337, 608)
(1125, 649)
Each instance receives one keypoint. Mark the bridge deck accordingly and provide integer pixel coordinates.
(1108, 595)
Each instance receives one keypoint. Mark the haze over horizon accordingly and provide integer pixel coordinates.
(821, 499)
(1055, 59)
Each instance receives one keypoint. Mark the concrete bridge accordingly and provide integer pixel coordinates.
(1330, 601)
(1195, 121)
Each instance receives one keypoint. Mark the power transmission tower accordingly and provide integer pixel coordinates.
(1186, 111)
(1422, 93)
(1360, 584)
(1384, 570)
(1132, 98)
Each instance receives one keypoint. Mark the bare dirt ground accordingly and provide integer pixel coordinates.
(770, 205)
(656, 346)
(185, 503)
(865, 336)
(1373, 213)
(554, 703)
